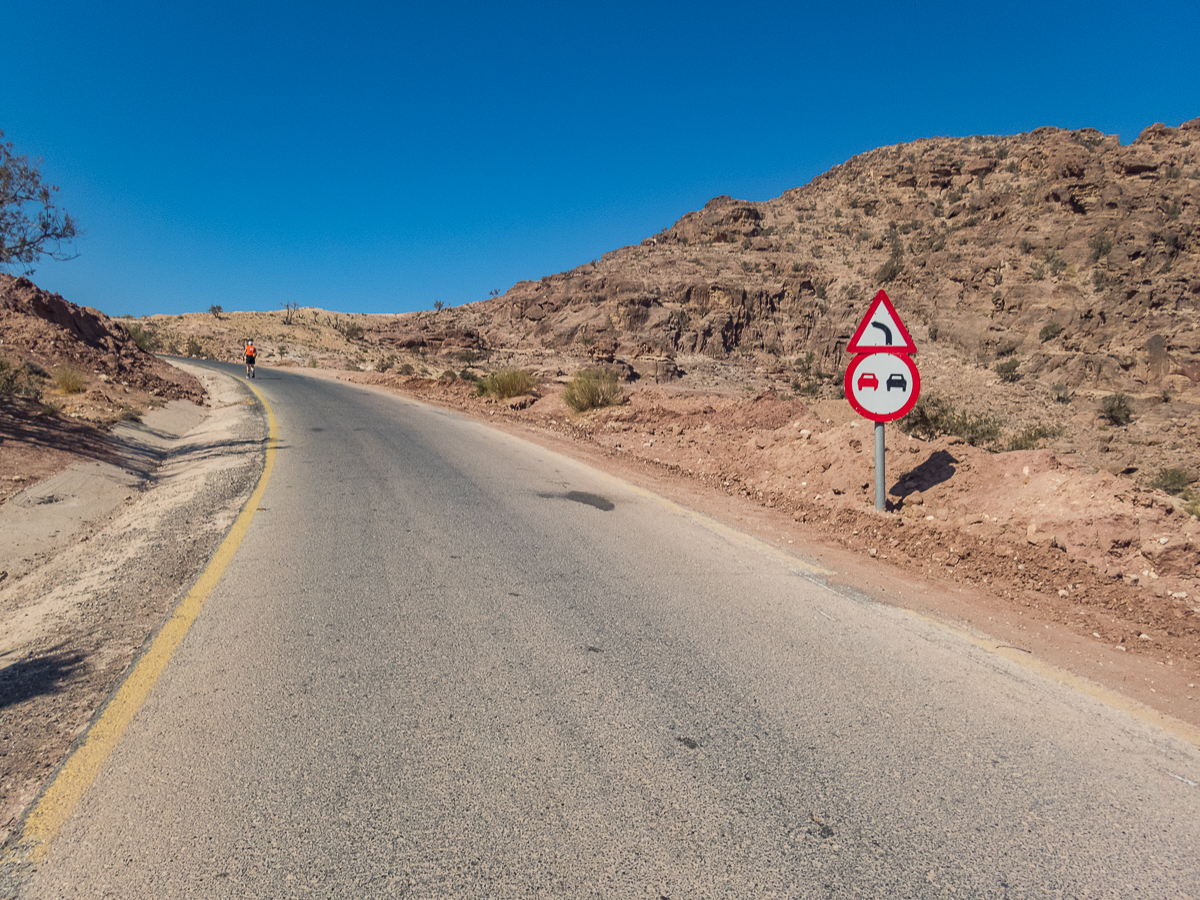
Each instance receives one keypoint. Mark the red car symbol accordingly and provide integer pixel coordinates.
(868, 379)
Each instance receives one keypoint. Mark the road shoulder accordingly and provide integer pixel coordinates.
(103, 566)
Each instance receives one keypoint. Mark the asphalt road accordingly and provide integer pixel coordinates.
(448, 663)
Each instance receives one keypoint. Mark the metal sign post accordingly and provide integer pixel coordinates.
(880, 475)
(882, 382)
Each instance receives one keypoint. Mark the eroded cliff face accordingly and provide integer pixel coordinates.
(1074, 254)
(42, 330)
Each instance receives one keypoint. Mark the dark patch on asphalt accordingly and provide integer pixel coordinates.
(49, 498)
(823, 830)
(593, 500)
(590, 649)
(316, 429)
(689, 742)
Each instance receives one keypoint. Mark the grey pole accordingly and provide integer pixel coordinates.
(880, 476)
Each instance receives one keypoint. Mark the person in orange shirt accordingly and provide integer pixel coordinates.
(251, 355)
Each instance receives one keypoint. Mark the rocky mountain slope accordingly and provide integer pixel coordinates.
(1070, 261)
(68, 372)
(1076, 255)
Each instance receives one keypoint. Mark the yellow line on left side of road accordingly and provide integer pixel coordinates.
(60, 798)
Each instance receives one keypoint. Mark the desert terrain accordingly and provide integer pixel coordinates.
(1042, 276)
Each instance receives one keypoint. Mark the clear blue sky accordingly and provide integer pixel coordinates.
(378, 157)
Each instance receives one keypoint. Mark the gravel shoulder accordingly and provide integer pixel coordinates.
(97, 557)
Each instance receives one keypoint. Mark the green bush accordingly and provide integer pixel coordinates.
(1061, 393)
(506, 383)
(1101, 245)
(808, 386)
(934, 416)
(1007, 370)
(193, 347)
(889, 270)
(10, 377)
(1116, 409)
(592, 389)
(20, 380)
(1173, 481)
(978, 429)
(1049, 332)
(1031, 438)
(145, 338)
(406, 369)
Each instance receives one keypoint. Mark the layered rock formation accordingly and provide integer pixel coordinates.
(1075, 254)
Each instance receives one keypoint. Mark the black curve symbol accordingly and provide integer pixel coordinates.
(887, 332)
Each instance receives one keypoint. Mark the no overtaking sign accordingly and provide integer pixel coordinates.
(882, 383)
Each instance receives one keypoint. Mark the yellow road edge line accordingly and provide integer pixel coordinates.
(79, 771)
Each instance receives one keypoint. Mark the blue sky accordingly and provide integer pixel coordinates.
(379, 157)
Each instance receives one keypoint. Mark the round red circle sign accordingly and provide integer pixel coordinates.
(882, 387)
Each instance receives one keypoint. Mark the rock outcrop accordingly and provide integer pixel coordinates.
(43, 330)
(1077, 255)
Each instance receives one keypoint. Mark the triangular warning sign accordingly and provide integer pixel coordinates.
(881, 330)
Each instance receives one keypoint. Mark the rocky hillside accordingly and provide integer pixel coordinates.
(1076, 256)
(86, 364)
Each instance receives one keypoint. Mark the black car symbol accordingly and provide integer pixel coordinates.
(896, 380)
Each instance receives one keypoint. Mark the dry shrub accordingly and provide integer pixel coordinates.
(70, 380)
(592, 389)
(506, 383)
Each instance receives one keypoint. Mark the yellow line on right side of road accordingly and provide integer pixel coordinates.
(79, 771)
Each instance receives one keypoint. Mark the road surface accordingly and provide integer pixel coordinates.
(449, 663)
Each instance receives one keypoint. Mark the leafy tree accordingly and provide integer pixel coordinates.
(31, 226)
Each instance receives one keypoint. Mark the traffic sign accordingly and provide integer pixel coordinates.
(882, 386)
(881, 330)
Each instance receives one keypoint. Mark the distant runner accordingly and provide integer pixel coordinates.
(251, 355)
